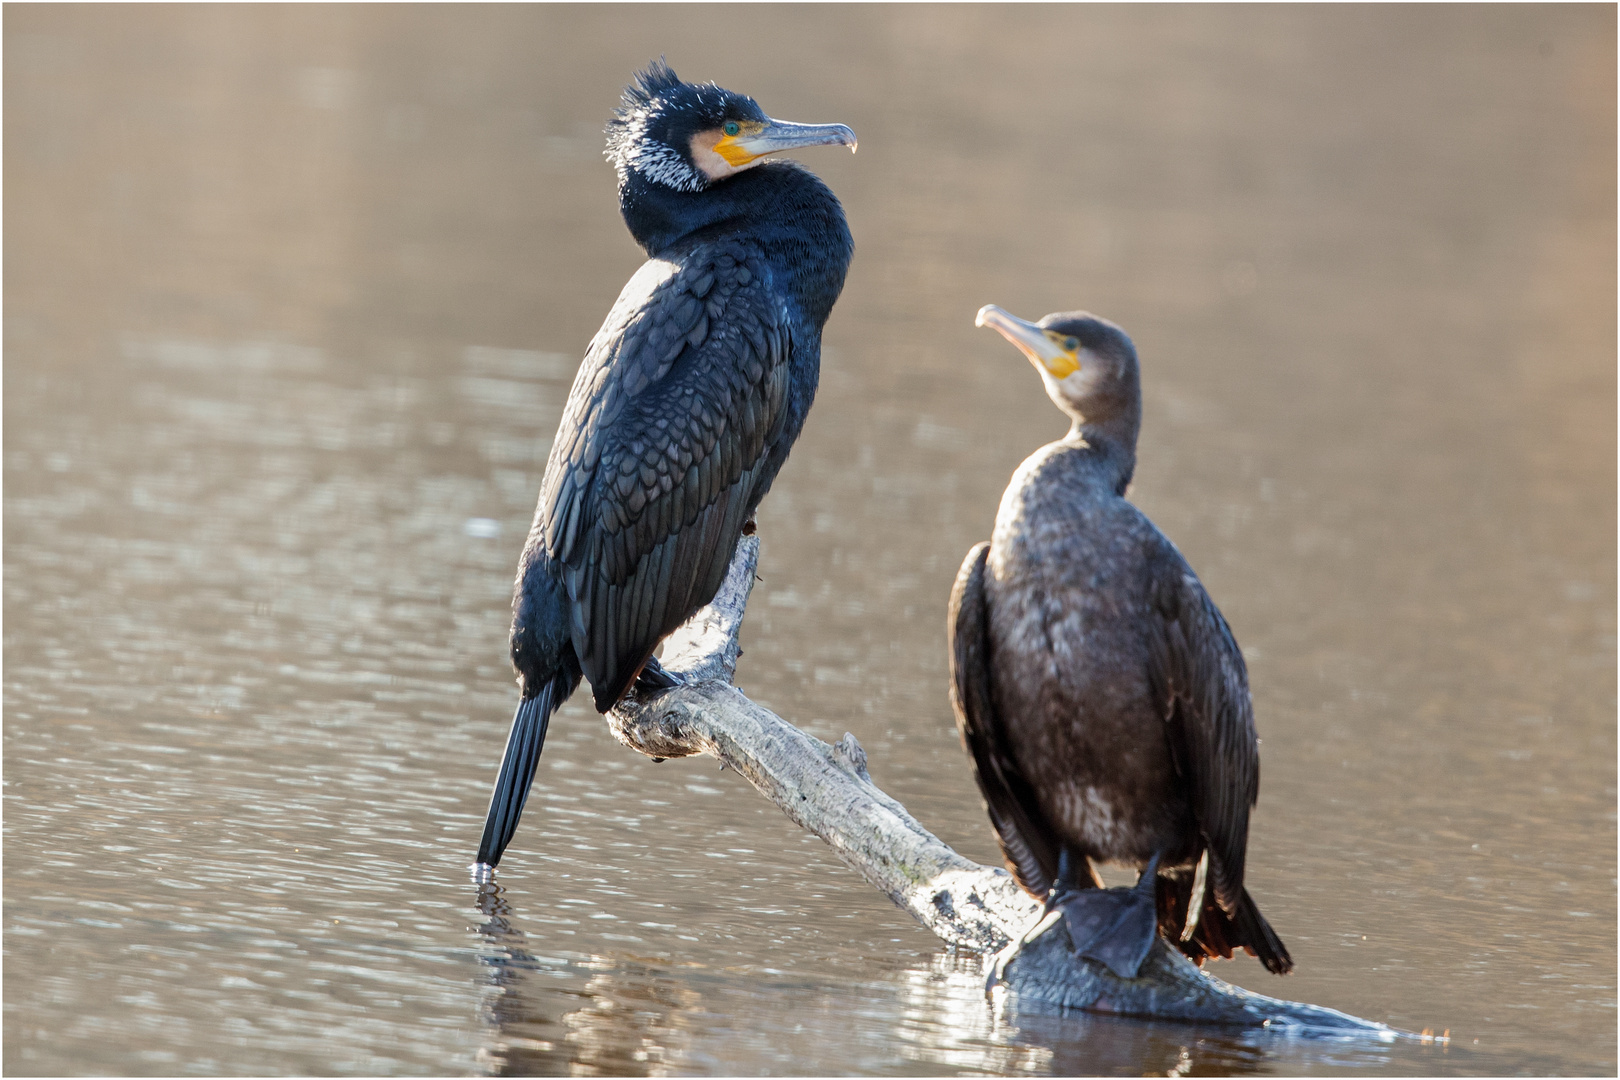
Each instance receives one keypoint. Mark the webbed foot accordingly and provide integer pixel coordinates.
(1114, 927)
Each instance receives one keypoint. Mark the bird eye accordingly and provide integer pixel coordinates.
(732, 127)
(1071, 343)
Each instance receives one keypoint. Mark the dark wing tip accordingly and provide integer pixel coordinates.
(1198, 671)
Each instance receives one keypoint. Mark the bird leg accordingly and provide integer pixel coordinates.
(1067, 882)
(1115, 927)
(654, 676)
(1068, 877)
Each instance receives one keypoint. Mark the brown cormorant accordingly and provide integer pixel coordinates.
(1096, 686)
(685, 406)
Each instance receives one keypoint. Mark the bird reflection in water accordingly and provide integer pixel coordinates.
(518, 1048)
(950, 1024)
(635, 1016)
(625, 1020)
(947, 1023)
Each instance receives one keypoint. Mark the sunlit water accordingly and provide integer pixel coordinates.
(292, 300)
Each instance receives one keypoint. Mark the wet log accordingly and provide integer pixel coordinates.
(827, 790)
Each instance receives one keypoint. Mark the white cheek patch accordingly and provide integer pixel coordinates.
(708, 162)
(712, 164)
(1078, 384)
(1054, 387)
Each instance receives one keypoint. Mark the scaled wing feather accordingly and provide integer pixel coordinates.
(658, 460)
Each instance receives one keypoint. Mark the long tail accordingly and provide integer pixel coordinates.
(1217, 934)
(517, 769)
(1255, 934)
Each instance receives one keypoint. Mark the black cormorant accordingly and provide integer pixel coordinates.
(1096, 686)
(685, 406)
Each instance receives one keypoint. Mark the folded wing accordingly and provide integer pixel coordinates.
(663, 452)
(1026, 841)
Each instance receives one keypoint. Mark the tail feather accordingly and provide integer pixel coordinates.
(517, 770)
(1256, 935)
(1217, 933)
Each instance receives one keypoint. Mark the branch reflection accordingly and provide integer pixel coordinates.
(634, 1015)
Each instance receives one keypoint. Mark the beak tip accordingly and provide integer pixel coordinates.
(984, 315)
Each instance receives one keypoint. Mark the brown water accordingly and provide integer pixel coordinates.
(292, 299)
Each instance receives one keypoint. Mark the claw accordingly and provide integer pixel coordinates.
(1043, 922)
(1064, 886)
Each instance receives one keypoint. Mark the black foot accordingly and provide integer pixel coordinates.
(1114, 927)
(654, 677)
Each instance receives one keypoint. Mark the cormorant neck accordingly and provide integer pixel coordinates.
(779, 205)
(659, 217)
(1110, 447)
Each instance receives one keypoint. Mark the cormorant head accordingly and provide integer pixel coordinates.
(1088, 365)
(687, 136)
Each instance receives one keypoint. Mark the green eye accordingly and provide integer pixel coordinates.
(1071, 343)
(732, 127)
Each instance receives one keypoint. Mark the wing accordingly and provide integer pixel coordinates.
(1198, 675)
(663, 452)
(1025, 840)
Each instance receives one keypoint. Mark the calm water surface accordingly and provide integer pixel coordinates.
(293, 297)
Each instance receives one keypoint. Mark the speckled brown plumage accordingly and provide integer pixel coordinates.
(1097, 688)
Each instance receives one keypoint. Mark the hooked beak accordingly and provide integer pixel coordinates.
(1047, 355)
(775, 136)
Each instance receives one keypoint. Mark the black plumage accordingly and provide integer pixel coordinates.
(686, 404)
(1098, 690)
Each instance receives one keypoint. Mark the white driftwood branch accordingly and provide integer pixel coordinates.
(826, 790)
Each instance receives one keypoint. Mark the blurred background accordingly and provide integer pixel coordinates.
(293, 297)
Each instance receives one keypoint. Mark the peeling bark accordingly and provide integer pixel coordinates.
(826, 790)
